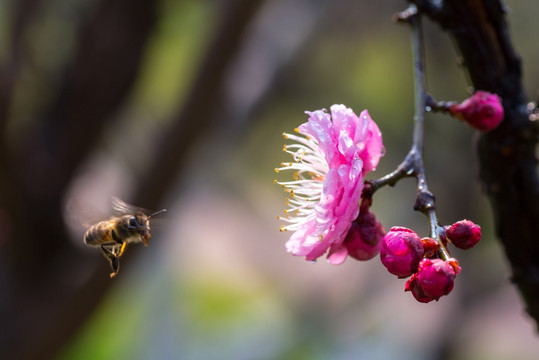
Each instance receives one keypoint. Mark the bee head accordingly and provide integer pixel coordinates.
(141, 224)
(138, 221)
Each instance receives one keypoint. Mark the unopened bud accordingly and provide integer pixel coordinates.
(430, 246)
(464, 234)
(401, 251)
(364, 238)
(434, 278)
(482, 111)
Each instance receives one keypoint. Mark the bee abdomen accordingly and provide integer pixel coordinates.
(98, 234)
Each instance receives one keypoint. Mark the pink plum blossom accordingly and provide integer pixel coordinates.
(331, 159)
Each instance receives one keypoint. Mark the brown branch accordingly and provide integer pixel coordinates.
(508, 164)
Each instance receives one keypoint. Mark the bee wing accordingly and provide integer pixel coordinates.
(120, 207)
(80, 215)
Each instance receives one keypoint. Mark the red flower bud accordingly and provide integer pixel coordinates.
(463, 234)
(433, 279)
(430, 246)
(482, 111)
(401, 251)
(364, 238)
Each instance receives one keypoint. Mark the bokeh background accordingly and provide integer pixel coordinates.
(216, 281)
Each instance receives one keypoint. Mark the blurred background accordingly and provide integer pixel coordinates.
(181, 105)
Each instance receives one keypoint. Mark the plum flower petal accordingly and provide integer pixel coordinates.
(332, 154)
(364, 136)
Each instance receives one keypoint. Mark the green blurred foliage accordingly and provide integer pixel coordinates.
(173, 55)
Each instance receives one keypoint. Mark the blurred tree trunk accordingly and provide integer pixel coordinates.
(508, 163)
(45, 294)
(193, 120)
(48, 287)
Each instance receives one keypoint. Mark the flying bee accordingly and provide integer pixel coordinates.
(130, 225)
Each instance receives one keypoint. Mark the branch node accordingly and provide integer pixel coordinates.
(425, 201)
(406, 15)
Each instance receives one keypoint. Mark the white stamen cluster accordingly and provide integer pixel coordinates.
(306, 189)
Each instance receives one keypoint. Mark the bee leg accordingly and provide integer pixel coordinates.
(117, 240)
(122, 249)
(115, 265)
(112, 258)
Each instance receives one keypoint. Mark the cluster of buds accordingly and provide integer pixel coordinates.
(405, 254)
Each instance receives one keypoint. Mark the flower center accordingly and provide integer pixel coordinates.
(305, 189)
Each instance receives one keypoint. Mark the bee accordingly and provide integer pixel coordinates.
(130, 225)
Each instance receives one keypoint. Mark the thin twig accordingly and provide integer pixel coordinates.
(405, 169)
(425, 199)
(412, 165)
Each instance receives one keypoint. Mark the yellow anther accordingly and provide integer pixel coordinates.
(296, 130)
(275, 181)
(276, 170)
(285, 135)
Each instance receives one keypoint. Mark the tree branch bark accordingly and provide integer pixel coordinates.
(508, 163)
